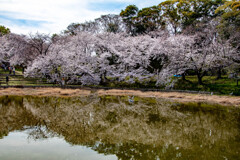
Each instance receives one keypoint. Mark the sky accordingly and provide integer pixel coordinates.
(53, 16)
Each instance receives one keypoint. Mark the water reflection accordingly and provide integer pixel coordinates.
(145, 128)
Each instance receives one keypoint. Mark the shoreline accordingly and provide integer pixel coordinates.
(175, 96)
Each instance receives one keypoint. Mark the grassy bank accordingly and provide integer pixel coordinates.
(19, 80)
(131, 95)
(211, 84)
(223, 86)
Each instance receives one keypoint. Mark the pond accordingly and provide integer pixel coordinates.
(116, 127)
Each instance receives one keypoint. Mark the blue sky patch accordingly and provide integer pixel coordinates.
(21, 22)
(107, 6)
(59, 14)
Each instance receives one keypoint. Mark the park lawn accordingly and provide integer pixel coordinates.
(222, 86)
(20, 80)
(17, 81)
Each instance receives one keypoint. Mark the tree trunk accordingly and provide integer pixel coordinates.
(183, 77)
(200, 76)
(219, 73)
(199, 79)
(103, 78)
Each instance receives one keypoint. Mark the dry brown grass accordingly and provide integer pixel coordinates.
(176, 96)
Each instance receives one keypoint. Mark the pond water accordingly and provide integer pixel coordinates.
(116, 127)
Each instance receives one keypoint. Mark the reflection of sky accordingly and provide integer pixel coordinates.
(16, 146)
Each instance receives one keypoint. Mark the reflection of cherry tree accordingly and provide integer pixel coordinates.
(40, 131)
(138, 130)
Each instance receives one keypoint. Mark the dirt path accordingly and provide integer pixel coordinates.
(176, 96)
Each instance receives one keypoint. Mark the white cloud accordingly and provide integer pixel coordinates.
(55, 15)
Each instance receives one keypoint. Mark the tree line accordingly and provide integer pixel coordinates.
(176, 37)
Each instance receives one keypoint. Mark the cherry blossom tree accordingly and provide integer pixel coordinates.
(87, 58)
(106, 23)
(40, 43)
(203, 51)
(69, 58)
(16, 50)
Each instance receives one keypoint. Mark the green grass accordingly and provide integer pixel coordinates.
(19, 80)
(222, 86)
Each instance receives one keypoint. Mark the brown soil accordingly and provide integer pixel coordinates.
(176, 96)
